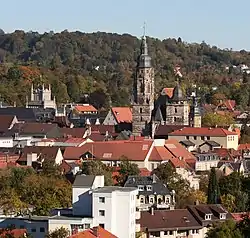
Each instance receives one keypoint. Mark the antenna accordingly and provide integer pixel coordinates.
(144, 29)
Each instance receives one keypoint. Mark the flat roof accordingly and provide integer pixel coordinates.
(110, 189)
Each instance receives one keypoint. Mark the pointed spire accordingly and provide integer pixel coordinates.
(144, 60)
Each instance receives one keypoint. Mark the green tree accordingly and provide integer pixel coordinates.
(227, 229)
(167, 173)
(58, 233)
(211, 119)
(96, 167)
(213, 193)
(126, 169)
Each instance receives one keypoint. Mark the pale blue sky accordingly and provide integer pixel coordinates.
(224, 23)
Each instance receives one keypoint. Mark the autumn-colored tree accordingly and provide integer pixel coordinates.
(218, 98)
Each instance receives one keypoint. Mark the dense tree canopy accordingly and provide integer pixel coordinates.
(102, 64)
(23, 191)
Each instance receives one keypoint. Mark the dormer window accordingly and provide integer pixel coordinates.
(223, 216)
(149, 188)
(141, 188)
(208, 217)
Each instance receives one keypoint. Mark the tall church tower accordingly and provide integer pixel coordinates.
(143, 93)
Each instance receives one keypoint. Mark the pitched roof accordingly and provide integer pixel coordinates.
(83, 180)
(5, 122)
(163, 130)
(203, 131)
(244, 146)
(168, 220)
(74, 132)
(33, 128)
(240, 216)
(168, 91)
(158, 187)
(85, 108)
(111, 150)
(122, 114)
(94, 233)
(47, 152)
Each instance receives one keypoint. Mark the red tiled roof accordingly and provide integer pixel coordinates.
(111, 150)
(122, 114)
(239, 216)
(230, 104)
(168, 91)
(167, 220)
(85, 108)
(34, 127)
(93, 233)
(244, 146)
(5, 122)
(47, 152)
(227, 153)
(203, 131)
(160, 153)
(74, 132)
(178, 151)
(174, 152)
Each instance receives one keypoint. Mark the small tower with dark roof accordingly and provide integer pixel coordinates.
(143, 92)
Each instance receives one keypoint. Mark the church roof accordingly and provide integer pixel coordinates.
(122, 114)
(168, 91)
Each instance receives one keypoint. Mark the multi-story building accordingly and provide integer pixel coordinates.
(152, 192)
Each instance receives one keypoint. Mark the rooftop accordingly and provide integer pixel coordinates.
(110, 189)
(203, 131)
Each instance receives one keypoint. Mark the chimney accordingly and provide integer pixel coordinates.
(154, 178)
(96, 231)
(152, 211)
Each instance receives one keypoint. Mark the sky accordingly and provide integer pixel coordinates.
(223, 23)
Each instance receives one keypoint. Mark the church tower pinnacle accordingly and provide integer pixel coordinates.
(143, 92)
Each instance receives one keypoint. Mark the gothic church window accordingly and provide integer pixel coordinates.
(140, 110)
(175, 110)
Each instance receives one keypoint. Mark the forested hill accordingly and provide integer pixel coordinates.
(102, 64)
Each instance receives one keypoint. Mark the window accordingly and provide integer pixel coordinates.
(222, 216)
(203, 137)
(142, 200)
(155, 234)
(140, 110)
(195, 137)
(187, 137)
(102, 225)
(87, 226)
(175, 110)
(149, 188)
(208, 217)
(101, 213)
(33, 230)
(165, 233)
(42, 229)
(151, 200)
(170, 233)
(208, 137)
(141, 188)
(195, 231)
(101, 199)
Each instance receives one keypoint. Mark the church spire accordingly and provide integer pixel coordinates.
(144, 60)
